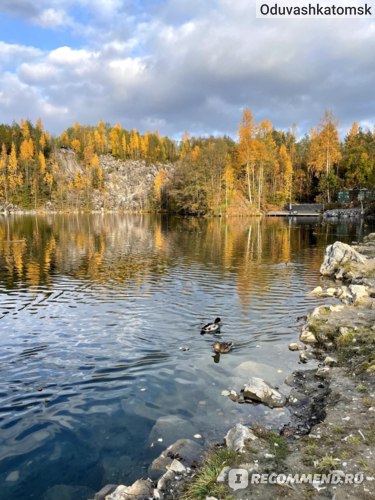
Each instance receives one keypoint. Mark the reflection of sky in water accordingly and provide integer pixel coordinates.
(93, 314)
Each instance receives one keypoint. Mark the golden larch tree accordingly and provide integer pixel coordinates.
(3, 173)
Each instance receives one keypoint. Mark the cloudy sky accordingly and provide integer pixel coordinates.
(177, 65)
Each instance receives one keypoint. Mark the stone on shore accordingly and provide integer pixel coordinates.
(236, 437)
(257, 389)
(359, 292)
(337, 255)
(105, 491)
(307, 337)
(165, 480)
(142, 489)
(296, 347)
(185, 450)
(329, 361)
(177, 466)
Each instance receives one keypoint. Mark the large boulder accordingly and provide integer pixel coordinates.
(337, 255)
(257, 389)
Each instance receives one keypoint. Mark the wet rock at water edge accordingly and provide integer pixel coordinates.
(329, 361)
(358, 292)
(307, 336)
(305, 356)
(258, 390)
(296, 347)
(237, 437)
(142, 489)
(337, 255)
(185, 451)
(106, 490)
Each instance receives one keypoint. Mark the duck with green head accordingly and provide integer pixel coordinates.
(212, 327)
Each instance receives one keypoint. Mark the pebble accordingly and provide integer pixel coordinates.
(197, 436)
(13, 476)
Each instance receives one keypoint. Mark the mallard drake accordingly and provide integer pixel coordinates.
(222, 347)
(212, 327)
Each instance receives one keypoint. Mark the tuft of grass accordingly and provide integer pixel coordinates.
(278, 444)
(361, 388)
(354, 440)
(338, 429)
(346, 339)
(368, 401)
(326, 464)
(204, 482)
(310, 452)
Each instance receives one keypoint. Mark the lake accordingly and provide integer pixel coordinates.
(94, 312)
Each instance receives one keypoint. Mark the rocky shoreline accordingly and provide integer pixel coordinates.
(332, 407)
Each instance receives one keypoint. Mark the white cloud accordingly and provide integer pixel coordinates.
(193, 65)
(53, 18)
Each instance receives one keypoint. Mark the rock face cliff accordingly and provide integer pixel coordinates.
(128, 185)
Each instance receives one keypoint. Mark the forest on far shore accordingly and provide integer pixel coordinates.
(264, 168)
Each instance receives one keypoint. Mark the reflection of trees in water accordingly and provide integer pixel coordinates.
(99, 248)
(115, 248)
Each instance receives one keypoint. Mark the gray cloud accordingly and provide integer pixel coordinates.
(24, 8)
(185, 69)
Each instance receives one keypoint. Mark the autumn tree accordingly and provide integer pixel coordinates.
(248, 149)
(285, 173)
(15, 177)
(359, 158)
(325, 153)
(3, 173)
(115, 140)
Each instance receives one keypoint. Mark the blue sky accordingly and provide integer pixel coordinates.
(180, 65)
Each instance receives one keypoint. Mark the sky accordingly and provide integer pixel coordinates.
(178, 65)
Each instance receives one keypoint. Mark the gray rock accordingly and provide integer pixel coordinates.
(257, 389)
(330, 361)
(142, 489)
(185, 450)
(177, 466)
(323, 372)
(338, 254)
(359, 292)
(165, 480)
(236, 437)
(234, 396)
(318, 291)
(106, 490)
(296, 347)
(307, 337)
(303, 357)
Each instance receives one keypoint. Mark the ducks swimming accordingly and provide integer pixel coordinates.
(222, 347)
(212, 327)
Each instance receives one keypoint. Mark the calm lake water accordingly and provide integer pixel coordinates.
(93, 313)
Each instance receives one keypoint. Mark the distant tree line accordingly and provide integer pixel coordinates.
(265, 167)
